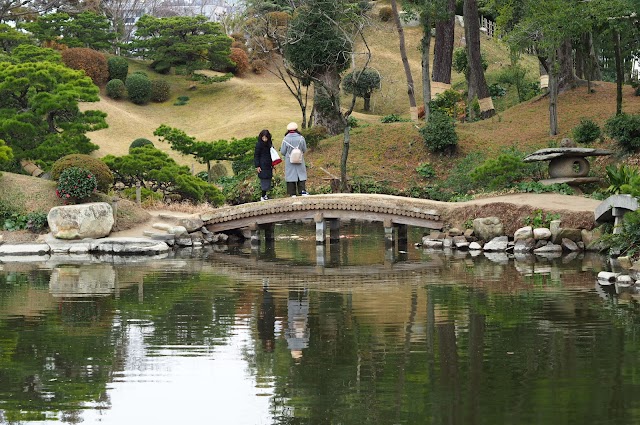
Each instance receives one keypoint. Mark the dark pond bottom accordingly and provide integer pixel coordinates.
(293, 334)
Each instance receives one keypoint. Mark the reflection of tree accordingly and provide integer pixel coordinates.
(49, 364)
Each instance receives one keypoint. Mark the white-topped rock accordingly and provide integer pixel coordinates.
(92, 220)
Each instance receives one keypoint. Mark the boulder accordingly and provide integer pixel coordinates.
(524, 245)
(92, 220)
(523, 233)
(487, 228)
(541, 234)
(499, 243)
(569, 245)
(567, 233)
(190, 223)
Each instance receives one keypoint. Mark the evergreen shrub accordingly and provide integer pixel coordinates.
(118, 68)
(139, 142)
(76, 184)
(439, 133)
(586, 132)
(99, 169)
(625, 130)
(385, 14)
(160, 90)
(138, 88)
(313, 135)
(115, 89)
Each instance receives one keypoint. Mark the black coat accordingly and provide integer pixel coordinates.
(262, 159)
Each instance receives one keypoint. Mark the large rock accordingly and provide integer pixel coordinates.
(487, 228)
(93, 220)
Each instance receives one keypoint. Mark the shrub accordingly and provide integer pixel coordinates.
(392, 118)
(138, 88)
(447, 103)
(439, 133)
(238, 45)
(161, 66)
(258, 66)
(34, 221)
(145, 194)
(625, 130)
(160, 90)
(385, 14)
(118, 68)
(426, 170)
(240, 59)
(139, 142)
(540, 219)
(623, 179)
(627, 241)
(92, 62)
(313, 135)
(217, 171)
(586, 132)
(99, 169)
(497, 173)
(115, 89)
(193, 188)
(76, 184)
(496, 90)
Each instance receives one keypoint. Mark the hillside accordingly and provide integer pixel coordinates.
(243, 106)
(388, 153)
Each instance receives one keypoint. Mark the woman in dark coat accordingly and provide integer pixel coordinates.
(262, 162)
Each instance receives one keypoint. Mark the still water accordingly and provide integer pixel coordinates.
(289, 334)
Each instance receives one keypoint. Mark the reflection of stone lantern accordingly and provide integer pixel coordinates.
(567, 165)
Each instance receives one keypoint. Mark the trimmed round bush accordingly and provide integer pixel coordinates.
(76, 184)
(99, 169)
(139, 142)
(313, 135)
(439, 133)
(138, 88)
(160, 90)
(92, 62)
(118, 68)
(240, 58)
(385, 14)
(115, 89)
(586, 132)
(625, 130)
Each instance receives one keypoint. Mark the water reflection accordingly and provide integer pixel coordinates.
(267, 336)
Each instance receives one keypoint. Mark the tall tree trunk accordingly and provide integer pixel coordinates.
(405, 62)
(619, 71)
(553, 96)
(477, 84)
(425, 46)
(327, 102)
(343, 159)
(367, 102)
(443, 47)
(566, 76)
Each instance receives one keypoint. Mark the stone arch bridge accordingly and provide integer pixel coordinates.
(395, 212)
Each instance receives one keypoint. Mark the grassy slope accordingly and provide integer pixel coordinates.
(243, 106)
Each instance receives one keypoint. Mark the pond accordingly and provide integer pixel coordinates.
(290, 333)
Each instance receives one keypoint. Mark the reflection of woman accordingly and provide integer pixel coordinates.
(262, 162)
(297, 330)
(267, 321)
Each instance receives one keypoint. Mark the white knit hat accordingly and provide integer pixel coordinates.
(292, 126)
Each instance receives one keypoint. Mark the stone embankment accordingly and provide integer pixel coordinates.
(488, 235)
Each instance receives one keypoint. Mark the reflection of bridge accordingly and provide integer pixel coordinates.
(394, 212)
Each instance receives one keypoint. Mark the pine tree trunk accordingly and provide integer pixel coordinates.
(477, 84)
(443, 47)
(367, 102)
(405, 62)
(327, 102)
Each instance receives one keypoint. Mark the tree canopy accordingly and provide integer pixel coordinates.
(39, 114)
(86, 29)
(191, 42)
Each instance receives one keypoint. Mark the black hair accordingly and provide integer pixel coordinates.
(265, 132)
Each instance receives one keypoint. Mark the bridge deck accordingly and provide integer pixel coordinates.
(396, 209)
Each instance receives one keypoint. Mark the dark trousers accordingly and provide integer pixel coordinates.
(296, 188)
